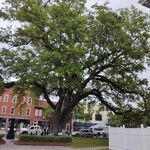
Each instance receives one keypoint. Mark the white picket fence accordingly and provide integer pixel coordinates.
(129, 138)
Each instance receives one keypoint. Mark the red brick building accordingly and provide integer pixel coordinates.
(29, 114)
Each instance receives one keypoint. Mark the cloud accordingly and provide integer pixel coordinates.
(117, 4)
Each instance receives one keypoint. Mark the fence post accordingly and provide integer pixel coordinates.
(109, 138)
(142, 137)
(123, 136)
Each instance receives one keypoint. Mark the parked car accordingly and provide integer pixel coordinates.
(85, 133)
(75, 133)
(99, 132)
(35, 129)
(23, 131)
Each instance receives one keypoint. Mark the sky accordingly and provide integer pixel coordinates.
(117, 4)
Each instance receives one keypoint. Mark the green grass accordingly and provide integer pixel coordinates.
(88, 142)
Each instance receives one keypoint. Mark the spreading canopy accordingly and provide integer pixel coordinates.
(60, 48)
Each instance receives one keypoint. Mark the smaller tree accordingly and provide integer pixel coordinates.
(115, 120)
(134, 119)
(48, 111)
(144, 105)
(79, 112)
(135, 113)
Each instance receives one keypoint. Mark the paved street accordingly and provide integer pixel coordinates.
(10, 146)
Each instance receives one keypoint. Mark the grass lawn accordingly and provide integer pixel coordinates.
(88, 142)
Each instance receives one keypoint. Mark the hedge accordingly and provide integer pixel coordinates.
(45, 139)
(1, 136)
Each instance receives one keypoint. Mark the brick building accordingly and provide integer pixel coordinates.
(31, 112)
(28, 114)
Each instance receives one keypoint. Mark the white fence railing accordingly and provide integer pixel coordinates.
(129, 138)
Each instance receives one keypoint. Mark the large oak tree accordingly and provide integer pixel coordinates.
(59, 48)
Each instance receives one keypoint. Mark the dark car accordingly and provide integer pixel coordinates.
(85, 133)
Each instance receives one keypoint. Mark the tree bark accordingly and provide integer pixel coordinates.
(58, 123)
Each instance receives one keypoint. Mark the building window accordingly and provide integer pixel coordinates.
(3, 111)
(12, 110)
(38, 112)
(14, 99)
(28, 112)
(98, 117)
(6, 98)
(29, 100)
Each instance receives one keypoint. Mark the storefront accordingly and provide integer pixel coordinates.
(2, 123)
(19, 123)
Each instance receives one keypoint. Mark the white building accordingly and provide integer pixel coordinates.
(99, 112)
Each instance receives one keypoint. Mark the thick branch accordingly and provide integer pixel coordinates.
(9, 84)
(98, 94)
(115, 85)
(43, 90)
(46, 3)
(71, 105)
(96, 71)
(61, 94)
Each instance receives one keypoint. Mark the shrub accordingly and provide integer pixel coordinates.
(1, 136)
(45, 139)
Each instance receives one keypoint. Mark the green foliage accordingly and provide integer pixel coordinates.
(116, 120)
(136, 115)
(134, 119)
(63, 49)
(1, 136)
(1, 87)
(79, 112)
(46, 139)
(48, 111)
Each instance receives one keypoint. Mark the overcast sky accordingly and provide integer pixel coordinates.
(116, 4)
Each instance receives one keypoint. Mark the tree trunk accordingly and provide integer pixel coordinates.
(58, 123)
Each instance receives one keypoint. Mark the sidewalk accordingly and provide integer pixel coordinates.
(10, 146)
